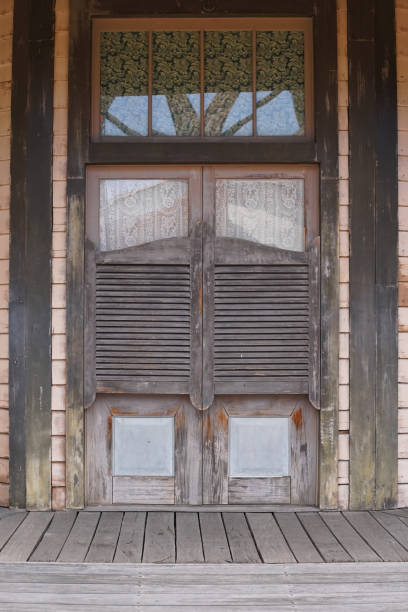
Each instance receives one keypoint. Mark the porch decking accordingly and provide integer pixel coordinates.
(203, 561)
(204, 537)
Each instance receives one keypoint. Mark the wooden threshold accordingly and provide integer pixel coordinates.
(212, 508)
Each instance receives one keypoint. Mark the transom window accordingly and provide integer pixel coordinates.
(202, 78)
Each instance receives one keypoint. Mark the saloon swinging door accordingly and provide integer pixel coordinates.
(202, 335)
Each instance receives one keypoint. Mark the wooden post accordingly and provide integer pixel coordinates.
(386, 454)
(30, 254)
(327, 152)
(373, 262)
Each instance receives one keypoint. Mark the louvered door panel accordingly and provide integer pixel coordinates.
(142, 323)
(261, 327)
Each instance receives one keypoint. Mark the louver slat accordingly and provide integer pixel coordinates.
(142, 320)
(261, 328)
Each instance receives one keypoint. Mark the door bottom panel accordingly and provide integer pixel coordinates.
(251, 451)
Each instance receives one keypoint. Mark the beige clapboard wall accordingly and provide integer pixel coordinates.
(59, 248)
(6, 30)
(402, 76)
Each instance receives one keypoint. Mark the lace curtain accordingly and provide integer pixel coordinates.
(269, 212)
(134, 212)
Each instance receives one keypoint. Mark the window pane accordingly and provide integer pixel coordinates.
(176, 84)
(280, 83)
(258, 447)
(124, 83)
(143, 446)
(228, 83)
(133, 212)
(267, 211)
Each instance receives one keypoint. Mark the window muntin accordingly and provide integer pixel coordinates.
(203, 78)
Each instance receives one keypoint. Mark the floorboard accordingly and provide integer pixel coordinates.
(131, 539)
(348, 537)
(189, 546)
(26, 537)
(394, 525)
(80, 538)
(241, 543)
(9, 524)
(297, 538)
(270, 542)
(159, 544)
(103, 546)
(215, 543)
(377, 537)
(54, 538)
(324, 540)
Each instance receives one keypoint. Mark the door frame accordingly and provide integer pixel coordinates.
(322, 150)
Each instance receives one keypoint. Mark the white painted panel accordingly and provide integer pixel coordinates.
(143, 446)
(258, 447)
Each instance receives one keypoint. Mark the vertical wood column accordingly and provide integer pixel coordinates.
(373, 260)
(327, 150)
(30, 254)
(78, 142)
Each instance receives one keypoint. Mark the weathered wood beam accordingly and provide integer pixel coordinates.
(30, 254)
(78, 139)
(373, 261)
(327, 153)
(362, 130)
(386, 257)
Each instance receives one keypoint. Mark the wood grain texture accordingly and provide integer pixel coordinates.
(269, 540)
(189, 547)
(18, 229)
(373, 271)
(24, 540)
(325, 542)
(325, 37)
(8, 526)
(30, 278)
(386, 186)
(297, 538)
(98, 468)
(351, 541)
(215, 455)
(78, 139)
(259, 490)
(304, 436)
(80, 538)
(143, 489)
(130, 543)
(377, 537)
(215, 543)
(240, 541)
(188, 455)
(54, 538)
(363, 339)
(159, 544)
(103, 547)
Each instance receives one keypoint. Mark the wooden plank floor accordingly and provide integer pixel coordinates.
(163, 537)
(99, 587)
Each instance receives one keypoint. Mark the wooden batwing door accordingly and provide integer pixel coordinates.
(260, 334)
(202, 335)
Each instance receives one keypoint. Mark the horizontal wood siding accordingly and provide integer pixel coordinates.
(6, 42)
(402, 82)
